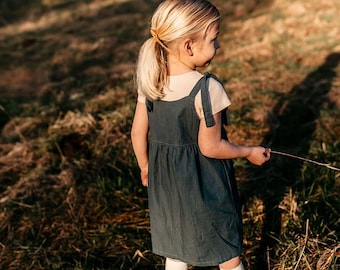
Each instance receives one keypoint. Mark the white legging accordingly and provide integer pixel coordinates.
(239, 267)
(172, 264)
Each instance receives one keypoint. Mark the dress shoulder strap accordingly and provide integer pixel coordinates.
(206, 103)
(203, 85)
(198, 85)
(196, 88)
(149, 105)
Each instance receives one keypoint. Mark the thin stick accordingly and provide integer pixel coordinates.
(304, 246)
(306, 159)
(268, 259)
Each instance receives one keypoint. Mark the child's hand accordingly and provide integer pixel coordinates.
(144, 176)
(259, 155)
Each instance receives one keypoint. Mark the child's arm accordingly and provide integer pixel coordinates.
(139, 138)
(213, 145)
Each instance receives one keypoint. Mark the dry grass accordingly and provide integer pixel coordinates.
(70, 193)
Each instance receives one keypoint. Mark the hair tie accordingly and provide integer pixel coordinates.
(154, 35)
(156, 39)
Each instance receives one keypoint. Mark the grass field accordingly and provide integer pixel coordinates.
(71, 197)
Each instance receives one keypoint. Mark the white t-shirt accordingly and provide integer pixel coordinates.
(181, 85)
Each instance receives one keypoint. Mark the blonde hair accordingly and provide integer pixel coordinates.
(172, 20)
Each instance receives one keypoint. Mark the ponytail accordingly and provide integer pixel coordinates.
(152, 69)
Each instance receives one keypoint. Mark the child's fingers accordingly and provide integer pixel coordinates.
(144, 178)
(267, 153)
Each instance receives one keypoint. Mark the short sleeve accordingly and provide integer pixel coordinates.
(141, 97)
(218, 98)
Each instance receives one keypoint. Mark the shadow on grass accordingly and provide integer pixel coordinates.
(52, 70)
(62, 65)
(293, 131)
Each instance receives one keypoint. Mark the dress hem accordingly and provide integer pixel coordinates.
(199, 264)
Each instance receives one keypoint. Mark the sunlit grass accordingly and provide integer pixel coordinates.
(71, 197)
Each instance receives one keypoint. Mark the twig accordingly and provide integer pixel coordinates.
(304, 246)
(306, 159)
(268, 259)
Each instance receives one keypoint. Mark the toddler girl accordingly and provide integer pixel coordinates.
(180, 142)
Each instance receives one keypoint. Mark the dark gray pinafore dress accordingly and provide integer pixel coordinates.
(194, 205)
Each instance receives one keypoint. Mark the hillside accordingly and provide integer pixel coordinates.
(70, 191)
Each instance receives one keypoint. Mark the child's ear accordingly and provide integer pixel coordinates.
(188, 47)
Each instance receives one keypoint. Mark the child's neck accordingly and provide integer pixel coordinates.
(178, 67)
